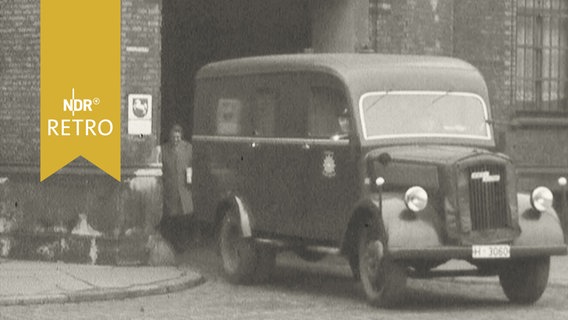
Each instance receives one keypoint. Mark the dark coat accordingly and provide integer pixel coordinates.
(177, 192)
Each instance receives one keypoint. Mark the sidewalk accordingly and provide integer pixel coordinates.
(33, 282)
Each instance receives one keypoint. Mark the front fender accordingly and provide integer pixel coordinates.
(537, 229)
(402, 228)
(407, 229)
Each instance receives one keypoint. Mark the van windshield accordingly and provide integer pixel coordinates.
(394, 114)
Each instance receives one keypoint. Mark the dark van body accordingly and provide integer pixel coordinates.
(388, 160)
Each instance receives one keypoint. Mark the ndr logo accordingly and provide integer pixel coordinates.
(79, 127)
(79, 105)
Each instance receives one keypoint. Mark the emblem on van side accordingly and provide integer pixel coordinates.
(328, 164)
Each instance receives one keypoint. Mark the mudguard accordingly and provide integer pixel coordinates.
(244, 214)
(537, 229)
(407, 229)
(242, 210)
(402, 227)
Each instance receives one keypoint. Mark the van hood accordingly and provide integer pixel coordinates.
(425, 165)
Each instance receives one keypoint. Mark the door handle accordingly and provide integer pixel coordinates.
(254, 145)
(306, 146)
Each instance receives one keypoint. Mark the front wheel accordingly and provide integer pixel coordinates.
(238, 253)
(524, 280)
(383, 280)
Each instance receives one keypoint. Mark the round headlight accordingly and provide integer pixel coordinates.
(416, 199)
(541, 199)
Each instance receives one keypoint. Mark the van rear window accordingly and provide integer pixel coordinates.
(229, 116)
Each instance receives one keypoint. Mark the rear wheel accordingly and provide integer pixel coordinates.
(383, 280)
(354, 265)
(238, 253)
(524, 280)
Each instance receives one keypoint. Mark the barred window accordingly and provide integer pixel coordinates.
(542, 56)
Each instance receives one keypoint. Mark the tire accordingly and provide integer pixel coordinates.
(238, 254)
(265, 264)
(383, 280)
(524, 280)
(354, 265)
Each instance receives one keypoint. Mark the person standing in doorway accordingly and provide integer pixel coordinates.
(176, 156)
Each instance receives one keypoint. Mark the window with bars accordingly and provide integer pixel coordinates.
(542, 56)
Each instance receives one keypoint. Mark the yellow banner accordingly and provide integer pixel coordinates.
(80, 84)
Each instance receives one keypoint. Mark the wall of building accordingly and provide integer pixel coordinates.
(339, 25)
(130, 208)
(412, 26)
(19, 81)
(483, 36)
(140, 73)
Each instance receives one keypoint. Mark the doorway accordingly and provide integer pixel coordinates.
(196, 32)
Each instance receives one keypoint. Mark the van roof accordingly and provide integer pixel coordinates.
(342, 64)
(364, 72)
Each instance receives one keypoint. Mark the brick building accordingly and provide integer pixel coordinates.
(520, 46)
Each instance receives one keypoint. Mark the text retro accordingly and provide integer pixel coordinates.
(79, 127)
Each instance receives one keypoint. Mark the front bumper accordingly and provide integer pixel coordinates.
(465, 252)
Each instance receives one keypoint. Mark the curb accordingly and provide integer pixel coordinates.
(99, 294)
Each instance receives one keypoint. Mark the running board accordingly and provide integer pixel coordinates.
(291, 245)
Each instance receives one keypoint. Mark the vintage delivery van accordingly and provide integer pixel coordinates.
(390, 161)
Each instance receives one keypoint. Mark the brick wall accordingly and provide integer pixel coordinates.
(112, 207)
(478, 31)
(19, 81)
(483, 36)
(412, 26)
(141, 72)
(19, 77)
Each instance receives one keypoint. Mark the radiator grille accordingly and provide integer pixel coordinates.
(488, 197)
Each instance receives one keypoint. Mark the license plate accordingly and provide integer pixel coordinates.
(491, 252)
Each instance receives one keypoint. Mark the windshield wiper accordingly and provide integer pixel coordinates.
(433, 102)
(440, 97)
(377, 101)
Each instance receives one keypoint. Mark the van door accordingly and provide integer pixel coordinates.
(332, 166)
(280, 155)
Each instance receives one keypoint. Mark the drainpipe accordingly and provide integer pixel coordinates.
(563, 207)
(374, 15)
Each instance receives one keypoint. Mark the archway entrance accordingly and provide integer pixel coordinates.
(196, 32)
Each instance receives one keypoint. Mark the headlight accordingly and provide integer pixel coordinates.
(416, 199)
(541, 199)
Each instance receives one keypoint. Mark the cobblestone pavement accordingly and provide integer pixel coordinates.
(304, 291)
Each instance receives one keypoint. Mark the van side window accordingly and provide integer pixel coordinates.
(326, 105)
(263, 115)
(231, 117)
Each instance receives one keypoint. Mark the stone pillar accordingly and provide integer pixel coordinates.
(340, 25)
